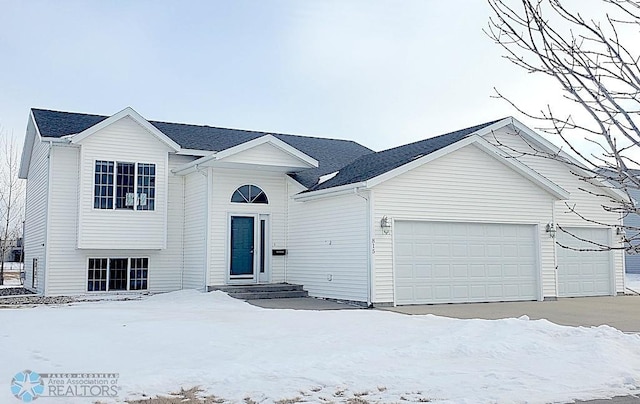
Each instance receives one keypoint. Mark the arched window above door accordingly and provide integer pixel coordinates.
(249, 194)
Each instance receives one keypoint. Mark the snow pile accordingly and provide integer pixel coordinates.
(235, 350)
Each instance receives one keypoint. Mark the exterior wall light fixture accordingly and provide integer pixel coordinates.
(385, 225)
(551, 229)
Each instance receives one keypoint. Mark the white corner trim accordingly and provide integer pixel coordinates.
(274, 141)
(128, 111)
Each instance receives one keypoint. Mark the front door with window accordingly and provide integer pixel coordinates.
(242, 247)
(248, 241)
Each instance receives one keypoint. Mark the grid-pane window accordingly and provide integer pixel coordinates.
(107, 274)
(138, 274)
(97, 277)
(249, 194)
(125, 186)
(118, 273)
(103, 185)
(146, 186)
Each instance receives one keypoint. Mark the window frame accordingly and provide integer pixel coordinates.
(136, 194)
(107, 280)
(253, 200)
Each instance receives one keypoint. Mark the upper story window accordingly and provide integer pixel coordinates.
(249, 194)
(124, 185)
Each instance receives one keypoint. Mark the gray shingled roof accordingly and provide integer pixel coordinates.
(354, 162)
(332, 154)
(374, 164)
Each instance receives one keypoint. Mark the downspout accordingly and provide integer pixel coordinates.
(45, 267)
(205, 174)
(184, 227)
(286, 229)
(555, 247)
(369, 269)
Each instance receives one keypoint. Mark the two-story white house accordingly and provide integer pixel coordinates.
(118, 203)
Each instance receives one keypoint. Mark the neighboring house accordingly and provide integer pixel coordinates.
(120, 203)
(632, 221)
(13, 251)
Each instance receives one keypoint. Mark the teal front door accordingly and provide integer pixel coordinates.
(242, 246)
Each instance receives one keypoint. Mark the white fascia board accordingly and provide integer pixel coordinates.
(193, 165)
(523, 169)
(419, 161)
(485, 146)
(194, 152)
(329, 192)
(308, 160)
(30, 139)
(540, 141)
(27, 147)
(119, 115)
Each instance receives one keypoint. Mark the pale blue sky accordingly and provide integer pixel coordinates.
(382, 73)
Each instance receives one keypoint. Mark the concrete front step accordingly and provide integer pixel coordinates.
(262, 291)
(267, 287)
(270, 295)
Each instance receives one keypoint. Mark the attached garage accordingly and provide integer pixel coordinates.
(447, 262)
(584, 273)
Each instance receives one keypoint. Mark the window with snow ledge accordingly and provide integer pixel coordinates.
(117, 274)
(125, 186)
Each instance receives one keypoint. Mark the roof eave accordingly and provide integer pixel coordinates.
(128, 111)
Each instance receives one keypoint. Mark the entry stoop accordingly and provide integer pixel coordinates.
(262, 291)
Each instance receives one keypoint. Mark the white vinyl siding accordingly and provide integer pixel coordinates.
(584, 273)
(224, 183)
(466, 185)
(454, 262)
(123, 141)
(68, 264)
(195, 224)
(328, 246)
(35, 226)
(582, 197)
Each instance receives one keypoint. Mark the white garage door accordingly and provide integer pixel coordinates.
(437, 262)
(583, 273)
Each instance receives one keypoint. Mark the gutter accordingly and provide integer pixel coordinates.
(335, 191)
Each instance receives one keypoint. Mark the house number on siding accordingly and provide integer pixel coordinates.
(373, 246)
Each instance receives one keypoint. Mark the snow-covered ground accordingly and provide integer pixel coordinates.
(633, 282)
(235, 350)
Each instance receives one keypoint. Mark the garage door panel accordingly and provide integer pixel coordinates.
(469, 262)
(583, 273)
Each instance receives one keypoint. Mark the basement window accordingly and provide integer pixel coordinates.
(117, 274)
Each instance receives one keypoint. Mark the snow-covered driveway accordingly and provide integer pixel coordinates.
(235, 350)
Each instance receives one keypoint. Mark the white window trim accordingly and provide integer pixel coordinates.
(115, 184)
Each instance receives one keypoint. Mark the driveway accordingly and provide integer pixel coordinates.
(621, 312)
